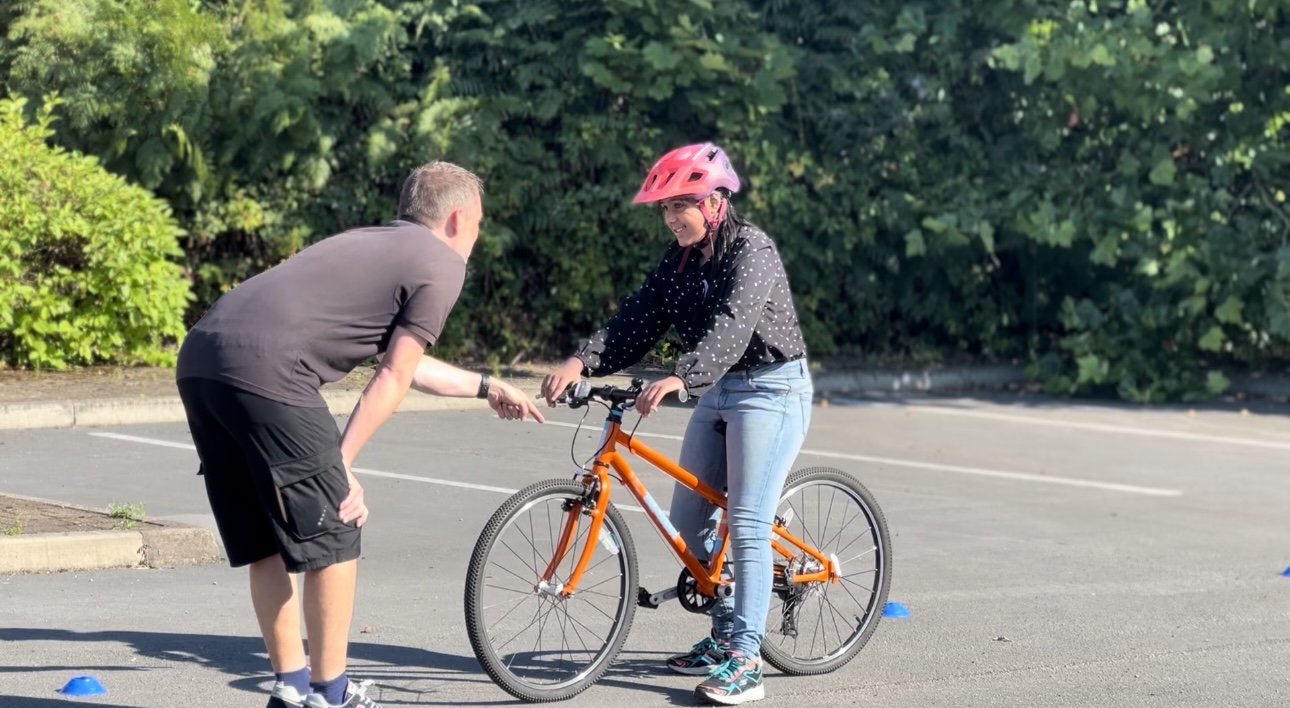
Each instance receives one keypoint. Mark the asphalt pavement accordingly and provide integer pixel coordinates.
(1049, 555)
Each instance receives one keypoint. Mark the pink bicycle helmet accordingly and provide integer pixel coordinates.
(690, 171)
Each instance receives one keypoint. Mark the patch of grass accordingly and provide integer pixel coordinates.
(18, 527)
(129, 514)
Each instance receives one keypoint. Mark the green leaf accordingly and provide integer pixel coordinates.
(914, 244)
(1216, 382)
(1213, 339)
(1091, 369)
(1193, 305)
(986, 231)
(1230, 311)
(1163, 173)
(1106, 251)
(1034, 66)
(713, 61)
(1062, 234)
(661, 57)
(1101, 55)
(1009, 55)
(935, 225)
(1143, 218)
(1057, 59)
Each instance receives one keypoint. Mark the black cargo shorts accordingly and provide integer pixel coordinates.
(274, 476)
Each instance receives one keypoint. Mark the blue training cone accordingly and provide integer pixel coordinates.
(82, 686)
(1286, 572)
(894, 609)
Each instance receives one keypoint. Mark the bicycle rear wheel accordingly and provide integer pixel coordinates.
(534, 643)
(818, 627)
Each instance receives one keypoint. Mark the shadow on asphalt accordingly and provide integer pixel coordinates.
(401, 675)
(27, 702)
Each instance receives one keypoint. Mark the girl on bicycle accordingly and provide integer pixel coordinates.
(724, 289)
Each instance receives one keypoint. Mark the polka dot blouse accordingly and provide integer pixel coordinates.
(732, 320)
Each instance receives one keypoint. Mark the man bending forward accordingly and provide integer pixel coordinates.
(277, 470)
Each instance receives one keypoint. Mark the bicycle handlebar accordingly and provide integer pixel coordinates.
(580, 393)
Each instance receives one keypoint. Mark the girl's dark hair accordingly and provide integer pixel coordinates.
(727, 233)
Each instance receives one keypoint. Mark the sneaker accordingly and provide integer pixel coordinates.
(737, 680)
(285, 696)
(356, 698)
(702, 658)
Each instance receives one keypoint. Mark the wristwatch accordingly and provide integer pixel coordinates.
(483, 386)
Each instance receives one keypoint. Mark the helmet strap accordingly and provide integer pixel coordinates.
(711, 222)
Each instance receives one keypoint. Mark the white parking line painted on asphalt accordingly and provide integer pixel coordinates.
(433, 480)
(357, 470)
(146, 441)
(957, 469)
(1077, 425)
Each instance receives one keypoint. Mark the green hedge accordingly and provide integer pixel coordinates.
(1094, 189)
(86, 269)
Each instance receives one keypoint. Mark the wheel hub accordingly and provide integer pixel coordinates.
(796, 594)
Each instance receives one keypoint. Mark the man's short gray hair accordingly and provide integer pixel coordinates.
(434, 189)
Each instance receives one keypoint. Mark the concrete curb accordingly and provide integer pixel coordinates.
(169, 409)
(101, 412)
(151, 544)
(58, 552)
(919, 380)
(834, 382)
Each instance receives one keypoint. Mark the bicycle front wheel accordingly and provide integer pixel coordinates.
(534, 642)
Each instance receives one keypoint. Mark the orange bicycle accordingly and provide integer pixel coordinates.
(537, 568)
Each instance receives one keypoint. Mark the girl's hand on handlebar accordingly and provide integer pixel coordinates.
(652, 396)
(558, 381)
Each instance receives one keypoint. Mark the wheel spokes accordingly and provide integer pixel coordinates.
(829, 617)
(541, 637)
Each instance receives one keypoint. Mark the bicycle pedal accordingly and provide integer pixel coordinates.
(645, 598)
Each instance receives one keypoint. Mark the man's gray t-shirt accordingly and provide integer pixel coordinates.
(313, 318)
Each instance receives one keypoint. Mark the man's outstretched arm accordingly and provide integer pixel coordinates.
(405, 365)
(439, 378)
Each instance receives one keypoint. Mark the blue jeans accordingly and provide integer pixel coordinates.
(766, 412)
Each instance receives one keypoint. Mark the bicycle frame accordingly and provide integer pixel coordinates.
(598, 478)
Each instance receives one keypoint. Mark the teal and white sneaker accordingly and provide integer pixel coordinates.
(702, 657)
(285, 696)
(737, 680)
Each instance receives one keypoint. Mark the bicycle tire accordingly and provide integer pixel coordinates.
(793, 666)
(475, 576)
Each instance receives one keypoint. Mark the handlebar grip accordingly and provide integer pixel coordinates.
(572, 392)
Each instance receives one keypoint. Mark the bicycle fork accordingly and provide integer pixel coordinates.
(593, 504)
